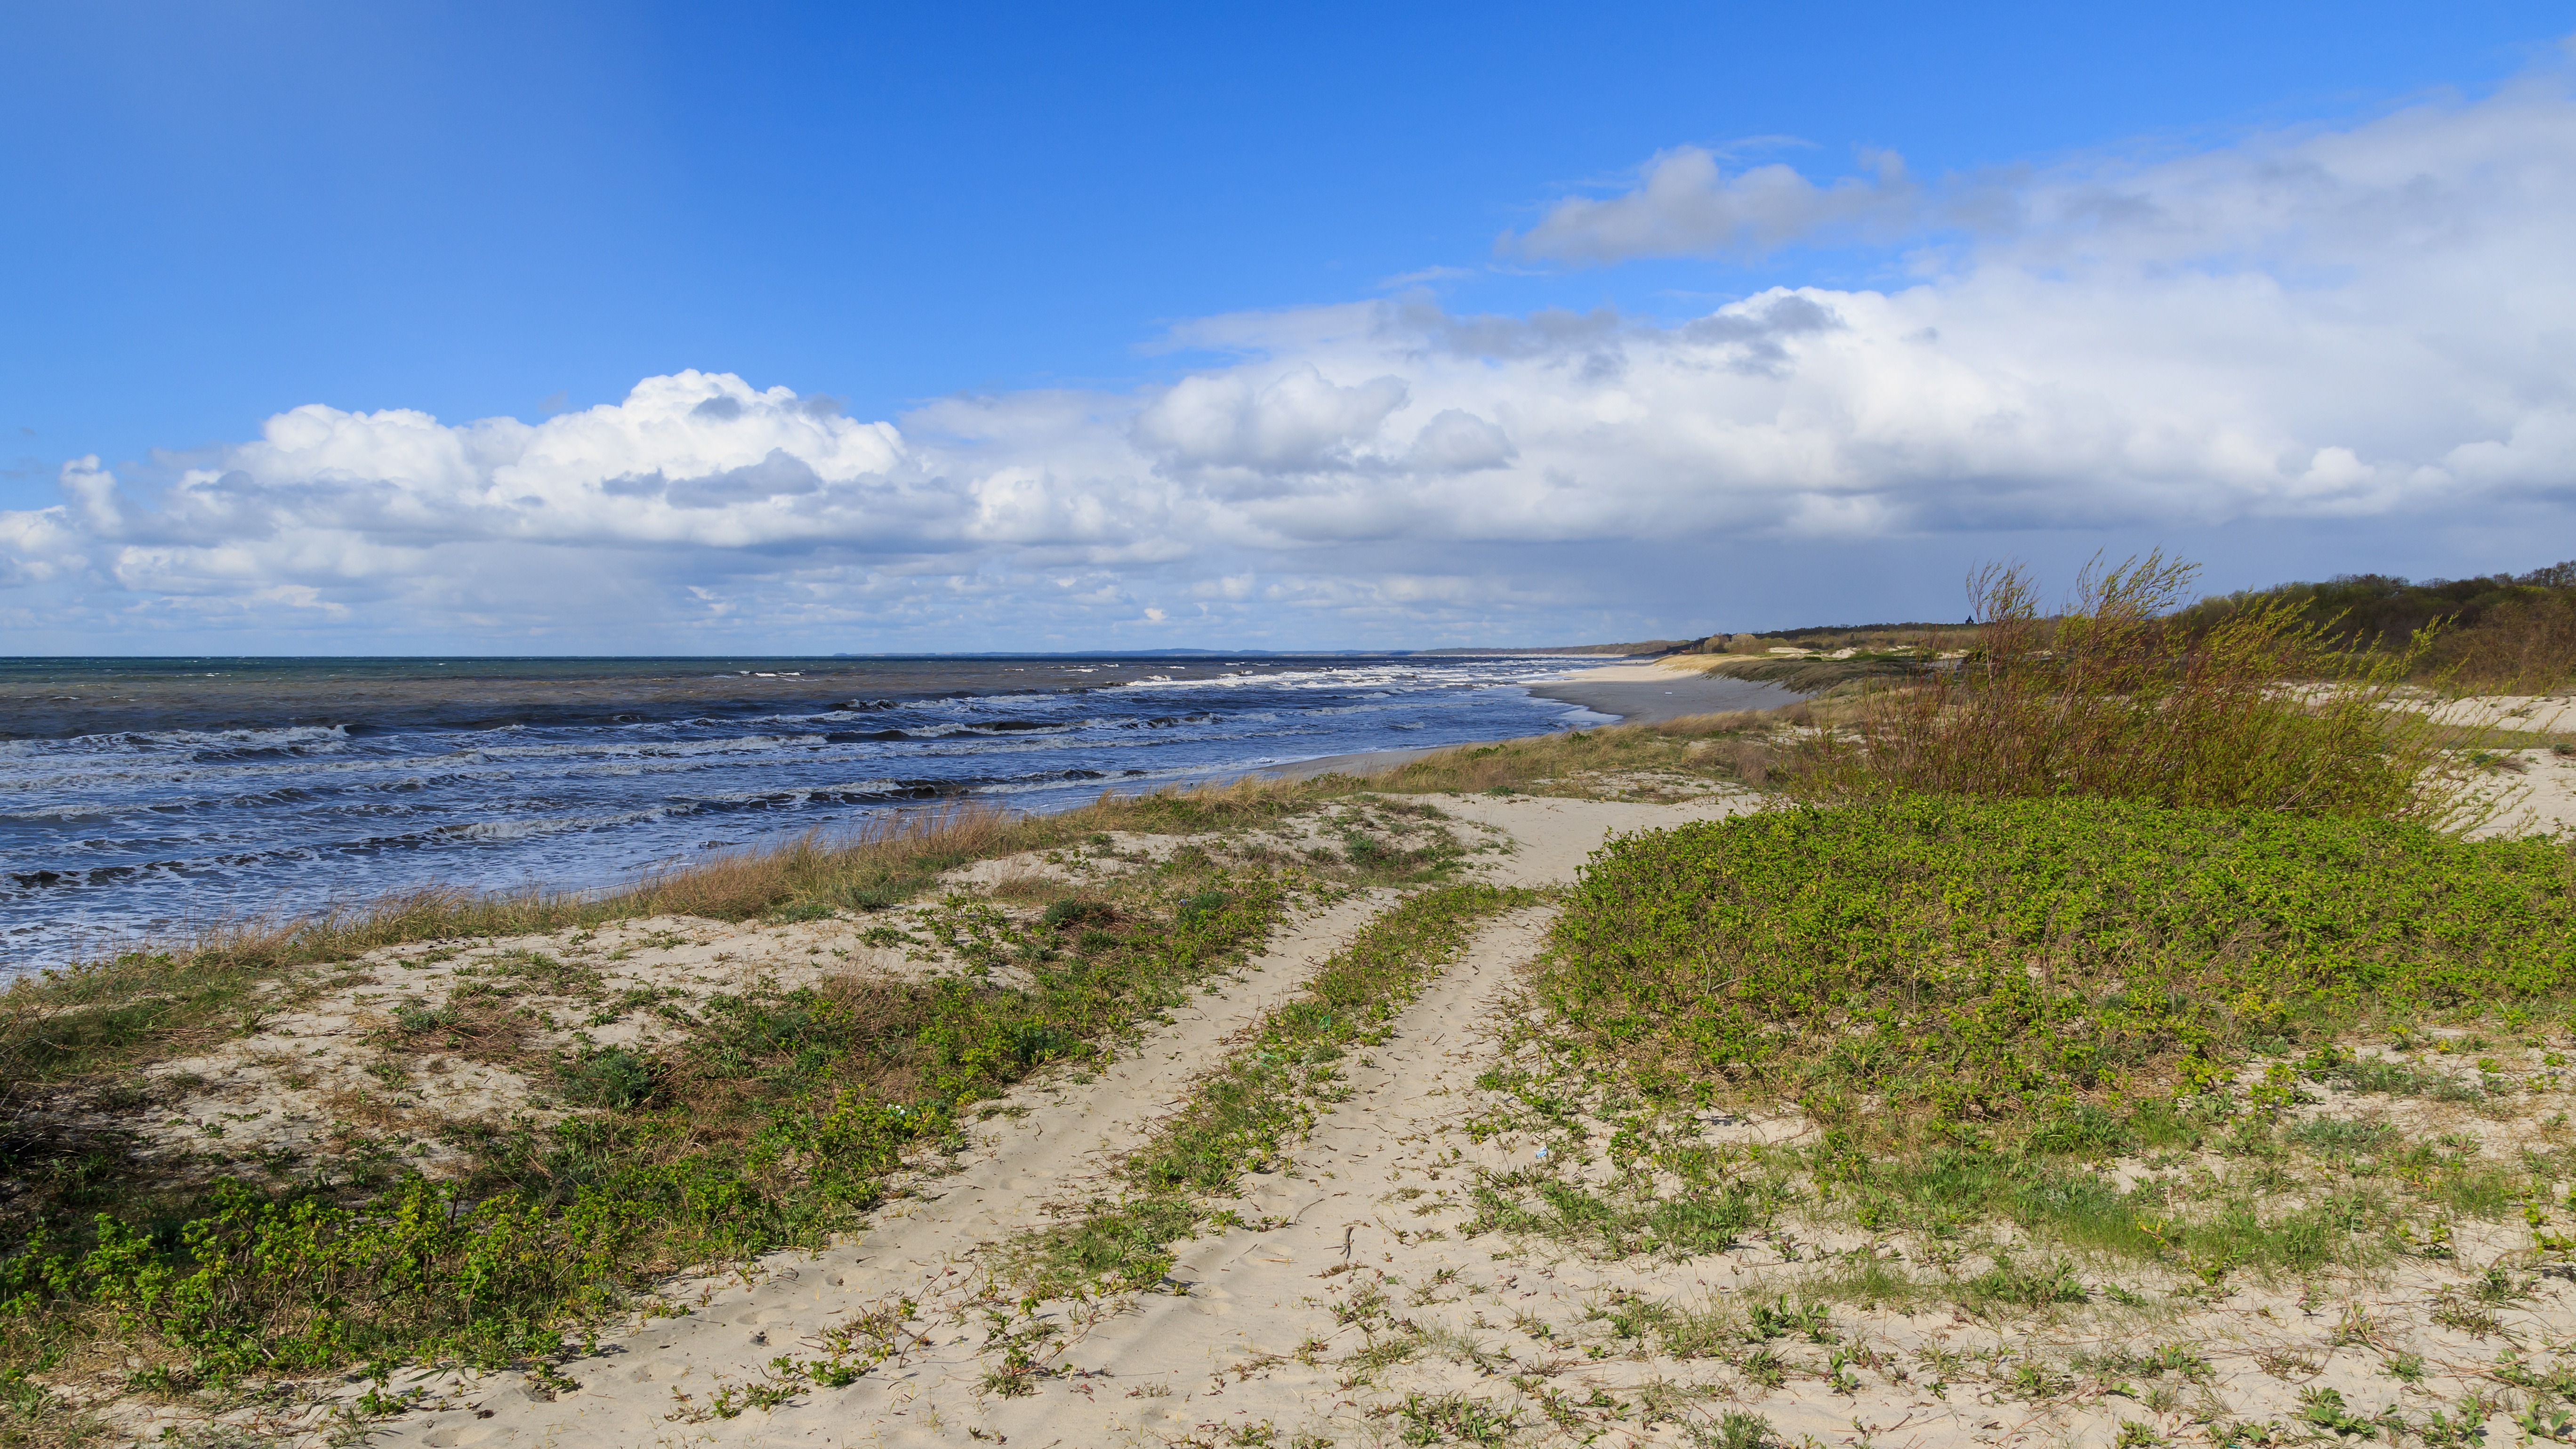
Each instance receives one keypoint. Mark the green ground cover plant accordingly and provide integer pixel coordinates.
(774, 1122)
(1942, 962)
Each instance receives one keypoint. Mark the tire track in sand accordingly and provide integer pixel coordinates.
(920, 1247)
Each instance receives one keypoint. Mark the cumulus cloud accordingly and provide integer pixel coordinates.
(1297, 422)
(1684, 204)
(2365, 326)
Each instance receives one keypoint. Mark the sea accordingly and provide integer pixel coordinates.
(144, 798)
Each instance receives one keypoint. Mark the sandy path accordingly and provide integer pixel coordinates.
(1163, 1368)
(1251, 1289)
(1553, 837)
(1651, 693)
(916, 1247)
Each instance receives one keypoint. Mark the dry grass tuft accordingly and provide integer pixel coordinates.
(2115, 698)
(195, 986)
(1565, 763)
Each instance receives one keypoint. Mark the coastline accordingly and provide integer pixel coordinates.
(1629, 693)
(421, 1050)
(148, 795)
(1653, 693)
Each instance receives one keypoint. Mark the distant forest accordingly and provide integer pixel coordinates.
(2497, 630)
(2384, 611)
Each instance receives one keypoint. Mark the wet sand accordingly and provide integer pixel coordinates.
(1646, 695)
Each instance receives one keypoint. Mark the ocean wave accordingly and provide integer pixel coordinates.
(300, 739)
(522, 829)
(596, 748)
(189, 819)
(284, 737)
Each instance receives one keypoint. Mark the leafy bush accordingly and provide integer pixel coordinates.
(1062, 914)
(2378, 611)
(611, 1077)
(1968, 958)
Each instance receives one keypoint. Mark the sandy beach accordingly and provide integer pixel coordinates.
(1360, 1242)
(1654, 692)
(1647, 693)
(1357, 1281)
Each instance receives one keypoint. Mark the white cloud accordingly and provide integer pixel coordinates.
(2370, 327)
(1297, 422)
(1686, 205)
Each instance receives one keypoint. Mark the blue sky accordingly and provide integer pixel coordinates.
(1003, 233)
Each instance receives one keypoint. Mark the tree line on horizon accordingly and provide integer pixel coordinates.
(2490, 629)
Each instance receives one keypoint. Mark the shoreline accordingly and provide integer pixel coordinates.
(1628, 693)
(1653, 693)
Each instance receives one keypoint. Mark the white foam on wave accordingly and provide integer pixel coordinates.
(130, 743)
(327, 736)
(796, 793)
(521, 829)
(614, 748)
(184, 774)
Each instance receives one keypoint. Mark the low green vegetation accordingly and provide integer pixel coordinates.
(775, 1119)
(1974, 1008)
(1943, 963)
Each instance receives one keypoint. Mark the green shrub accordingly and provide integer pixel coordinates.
(1062, 914)
(611, 1077)
(1981, 959)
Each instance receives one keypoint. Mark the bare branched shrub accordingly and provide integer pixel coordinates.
(2526, 647)
(2113, 698)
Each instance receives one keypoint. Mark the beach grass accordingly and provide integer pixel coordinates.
(1727, 748)
(186, 986)
(775, 1119)
(2112, 697)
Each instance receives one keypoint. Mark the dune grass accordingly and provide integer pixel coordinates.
(168, 994)
(2115, 698)
(775, 1119)
(1720, 748)
(1818, 677)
